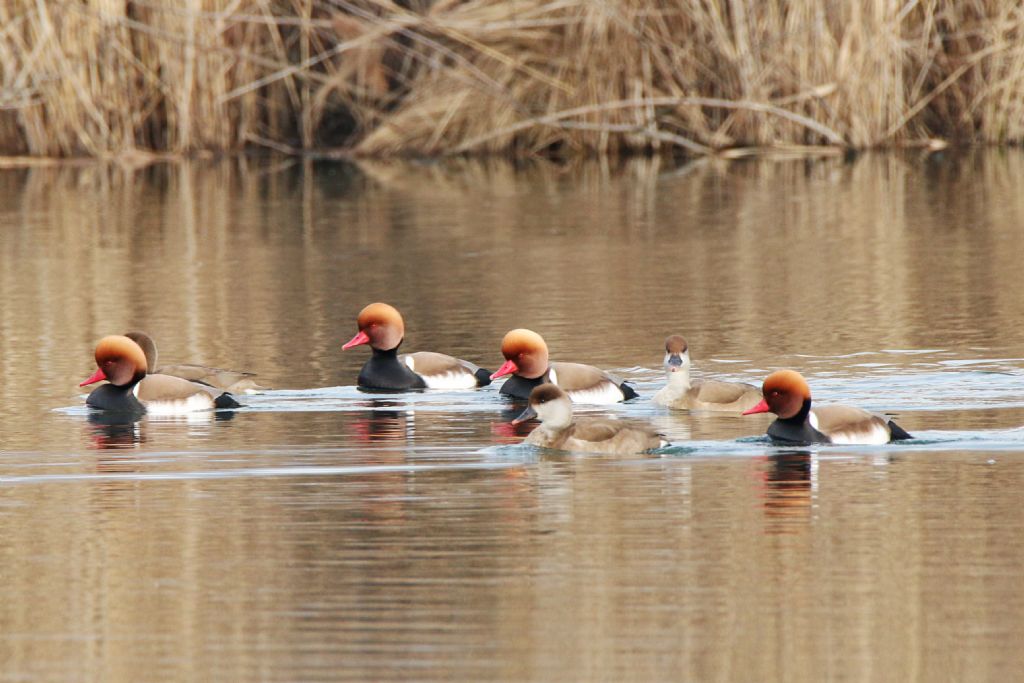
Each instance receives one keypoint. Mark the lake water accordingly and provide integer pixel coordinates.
(322, 533)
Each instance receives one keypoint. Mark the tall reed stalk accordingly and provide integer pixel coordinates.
(115, 77)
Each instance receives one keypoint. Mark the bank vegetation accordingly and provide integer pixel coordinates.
(523, 77)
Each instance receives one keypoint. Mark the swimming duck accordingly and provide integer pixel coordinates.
(680, 393)
(122, 362)
(557, 429)
(231, 381)
(526, 359)
(381, 326)
(787, 394)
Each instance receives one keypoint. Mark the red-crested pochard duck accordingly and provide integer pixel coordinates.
(231, 381)
(526, 359)
(682, 394)
(381, 326)
(122, 362)
(590, 435)
(787, 394)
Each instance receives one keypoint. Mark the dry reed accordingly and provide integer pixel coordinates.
(123, 77)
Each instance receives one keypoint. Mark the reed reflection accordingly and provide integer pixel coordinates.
(619, 563)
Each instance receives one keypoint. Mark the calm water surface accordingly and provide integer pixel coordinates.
(322, 533)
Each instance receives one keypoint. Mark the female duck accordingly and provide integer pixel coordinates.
(526, 359)
(231, 381)
(381, 326)
(787, 394)
(682, 394)
(122, 362)
(557, 429)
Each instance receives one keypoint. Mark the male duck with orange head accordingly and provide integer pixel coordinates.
(787, 394)
(381, 326)
(526, 359)
(130, 389)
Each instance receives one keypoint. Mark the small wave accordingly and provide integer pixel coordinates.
(303, 471)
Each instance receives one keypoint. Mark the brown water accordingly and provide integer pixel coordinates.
(321, 533)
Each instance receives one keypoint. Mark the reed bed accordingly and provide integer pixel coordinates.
(376, 78)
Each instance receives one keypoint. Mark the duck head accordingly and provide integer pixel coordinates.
(677, 358)
(525, 353)
(786, 393)
(549, 404)
(119, 360)
(148, 347)
(381, 326)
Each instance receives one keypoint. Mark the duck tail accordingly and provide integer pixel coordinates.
(628, 392)
(897, 433)
(226, 400)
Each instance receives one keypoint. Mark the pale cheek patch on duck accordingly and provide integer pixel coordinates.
(673, 364)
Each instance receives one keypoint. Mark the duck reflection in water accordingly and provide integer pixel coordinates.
(119, 437)
(384, 420)
(788, 479)
(107, 430)
(507, 430)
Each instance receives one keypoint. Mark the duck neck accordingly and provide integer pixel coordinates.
(520, 387)
(798, 428)
(678, 382)
(385, 371)
(557, 416)
(113, 398)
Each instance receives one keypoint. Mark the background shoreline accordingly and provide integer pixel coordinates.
(534, 77)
